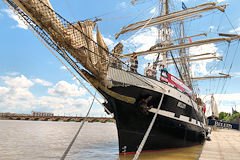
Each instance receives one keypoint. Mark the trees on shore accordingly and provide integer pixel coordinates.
(228, 117)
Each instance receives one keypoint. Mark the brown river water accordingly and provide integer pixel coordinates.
(41, 140)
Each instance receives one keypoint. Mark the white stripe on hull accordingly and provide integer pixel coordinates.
(172, 115)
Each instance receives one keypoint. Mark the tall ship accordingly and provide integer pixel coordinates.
(164, 110)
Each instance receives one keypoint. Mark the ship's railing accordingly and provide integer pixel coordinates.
(123, 77)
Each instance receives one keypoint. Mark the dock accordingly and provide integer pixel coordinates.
(224, 145)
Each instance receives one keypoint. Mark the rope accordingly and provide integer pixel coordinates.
(107, 13)
(71, 11)
(225, 83)
(141, 28)
(74, 138)
(224, 64)
(231, 23)
(176, 66)
(120, 17)
(148, 131)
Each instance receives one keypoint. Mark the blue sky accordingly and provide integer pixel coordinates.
(31, 78)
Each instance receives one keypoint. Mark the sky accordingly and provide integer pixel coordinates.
(33, 79)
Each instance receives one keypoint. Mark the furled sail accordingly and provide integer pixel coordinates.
(115, 58)
(103, 54)
(76, 39)
(22, 6)
(181, 46)
(173, 17)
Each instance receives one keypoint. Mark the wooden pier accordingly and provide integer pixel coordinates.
(224, 145)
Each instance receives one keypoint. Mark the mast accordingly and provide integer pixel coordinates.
(165, 36)
(159, 26)
(184, 63)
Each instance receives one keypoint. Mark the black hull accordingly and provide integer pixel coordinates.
(168, 132)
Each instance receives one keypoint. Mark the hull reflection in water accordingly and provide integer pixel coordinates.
(186, 153)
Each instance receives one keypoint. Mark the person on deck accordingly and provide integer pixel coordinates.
(204, 108)
(149, 72)
(146, 70)
(162, 67)
(134, 63)
(154, 72)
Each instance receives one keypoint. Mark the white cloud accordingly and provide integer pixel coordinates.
(227, 97)
(236, 30)
(20, 94)
(71, 106)
(66, 89)
(153, 57)
(153, 10)
(16, 18)
(17, 89)
(200, 67)
(20, 101)
(236, 74)
(18, 82)
(108, 41)
(42, 82)
(12, 73)
(17, 97)
(211, 28)
(219, 1)
(123, 5)
(4, 91)
(143, 40)
(63, 67)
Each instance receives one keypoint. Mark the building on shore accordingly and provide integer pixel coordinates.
(42, 114)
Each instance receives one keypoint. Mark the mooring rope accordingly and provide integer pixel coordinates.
(148, 131)
(74, 138)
